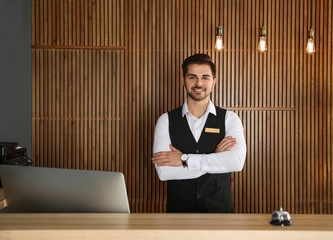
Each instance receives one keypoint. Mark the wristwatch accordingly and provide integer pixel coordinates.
(184, 159)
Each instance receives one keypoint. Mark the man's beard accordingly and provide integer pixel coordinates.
(196, 97)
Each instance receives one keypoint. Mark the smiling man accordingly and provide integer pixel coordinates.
(198, 145)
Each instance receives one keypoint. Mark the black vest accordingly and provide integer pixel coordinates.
(212, 191)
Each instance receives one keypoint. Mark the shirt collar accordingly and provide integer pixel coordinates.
(210, 109)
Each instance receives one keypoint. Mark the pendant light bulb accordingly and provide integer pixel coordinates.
(310, 46)
(262, 47)
(219, 38)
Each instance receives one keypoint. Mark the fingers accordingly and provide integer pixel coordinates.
(226, 144)
(224, 140)
(160, 157)
(164, 162)
(173, 148)
(167, 159)
(225, 147)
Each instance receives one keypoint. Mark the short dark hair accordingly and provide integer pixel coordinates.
(199, 59)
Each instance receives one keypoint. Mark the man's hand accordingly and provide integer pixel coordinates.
(168, 158)
(226, 144)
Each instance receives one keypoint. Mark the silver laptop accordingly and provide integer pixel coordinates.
(49, 190)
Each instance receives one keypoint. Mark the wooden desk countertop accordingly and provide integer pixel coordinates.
(161, 226)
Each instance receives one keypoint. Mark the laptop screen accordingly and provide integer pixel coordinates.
(36, 189)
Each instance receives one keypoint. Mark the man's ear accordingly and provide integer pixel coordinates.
(214, 82)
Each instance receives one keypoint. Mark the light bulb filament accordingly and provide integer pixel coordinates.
(219, 43)
(262, 44)
(310, 47)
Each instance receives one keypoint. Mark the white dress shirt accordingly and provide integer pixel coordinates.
(200, 164)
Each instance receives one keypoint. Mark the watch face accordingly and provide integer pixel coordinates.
(184, 157)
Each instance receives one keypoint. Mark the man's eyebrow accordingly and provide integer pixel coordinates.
(194, 75)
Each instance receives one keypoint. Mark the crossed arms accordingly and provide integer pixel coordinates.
(229, 155)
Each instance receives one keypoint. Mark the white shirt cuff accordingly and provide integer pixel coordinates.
(194, 161)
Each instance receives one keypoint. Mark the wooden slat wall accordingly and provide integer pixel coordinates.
(104, 71)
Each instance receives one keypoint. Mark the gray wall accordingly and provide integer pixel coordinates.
(15, 72)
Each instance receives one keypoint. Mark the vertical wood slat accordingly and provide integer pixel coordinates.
(96, 109)
(329, 138)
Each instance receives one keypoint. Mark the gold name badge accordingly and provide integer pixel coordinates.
(212, 130)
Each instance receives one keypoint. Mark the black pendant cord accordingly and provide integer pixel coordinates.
(263, 18)
(219, 13)
(311, 15)
(263, 13)
(259, 12)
